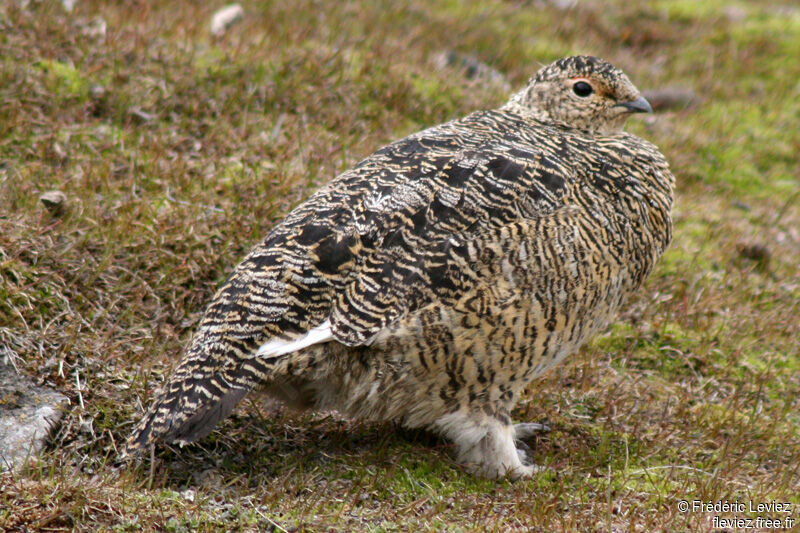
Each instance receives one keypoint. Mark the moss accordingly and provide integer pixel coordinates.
(64, 78)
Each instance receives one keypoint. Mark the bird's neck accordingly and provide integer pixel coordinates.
(518, 105)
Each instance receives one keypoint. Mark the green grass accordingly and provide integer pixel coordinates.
(178, 151)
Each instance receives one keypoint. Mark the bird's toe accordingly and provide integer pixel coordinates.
(525, 430)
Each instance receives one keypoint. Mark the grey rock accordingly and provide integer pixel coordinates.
(94, 29)
(54, 201)
(225, 18)
(28, 413)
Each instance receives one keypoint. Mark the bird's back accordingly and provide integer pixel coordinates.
(436, 224)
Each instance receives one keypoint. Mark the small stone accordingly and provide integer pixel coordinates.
(225, 18)
(95, 29)
(54, 201)
(97, 92)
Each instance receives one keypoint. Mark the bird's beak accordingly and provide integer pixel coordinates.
(640, 105)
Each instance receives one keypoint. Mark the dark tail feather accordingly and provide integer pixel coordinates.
(166, 423)
(193, 402)
(203, 421)
(203, 390)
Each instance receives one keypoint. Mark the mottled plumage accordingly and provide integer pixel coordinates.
(433, 281)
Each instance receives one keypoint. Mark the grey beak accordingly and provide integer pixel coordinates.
(640, 105)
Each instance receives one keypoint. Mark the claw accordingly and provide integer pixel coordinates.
(528, 429)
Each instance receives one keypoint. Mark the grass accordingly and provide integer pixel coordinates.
(177, 151)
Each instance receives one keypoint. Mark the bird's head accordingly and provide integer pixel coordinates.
(581, 92)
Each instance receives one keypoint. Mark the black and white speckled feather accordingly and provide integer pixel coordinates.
(433, 281)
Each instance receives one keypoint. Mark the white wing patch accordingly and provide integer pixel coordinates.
(276, 347)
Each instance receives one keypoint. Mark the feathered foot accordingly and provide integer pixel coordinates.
(486, 446)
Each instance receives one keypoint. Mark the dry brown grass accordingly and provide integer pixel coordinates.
(178, 151)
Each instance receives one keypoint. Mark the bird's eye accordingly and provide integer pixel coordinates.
(582, 89)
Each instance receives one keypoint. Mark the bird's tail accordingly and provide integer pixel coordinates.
(217, 372)
(204, 389)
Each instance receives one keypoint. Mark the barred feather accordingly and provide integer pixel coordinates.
(438, 277)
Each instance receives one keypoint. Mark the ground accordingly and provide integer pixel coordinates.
(176, 151)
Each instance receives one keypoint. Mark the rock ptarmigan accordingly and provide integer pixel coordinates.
(433, 281)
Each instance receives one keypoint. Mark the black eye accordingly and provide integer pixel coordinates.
(582, 89)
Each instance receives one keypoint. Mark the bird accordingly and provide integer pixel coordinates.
(432, 282)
